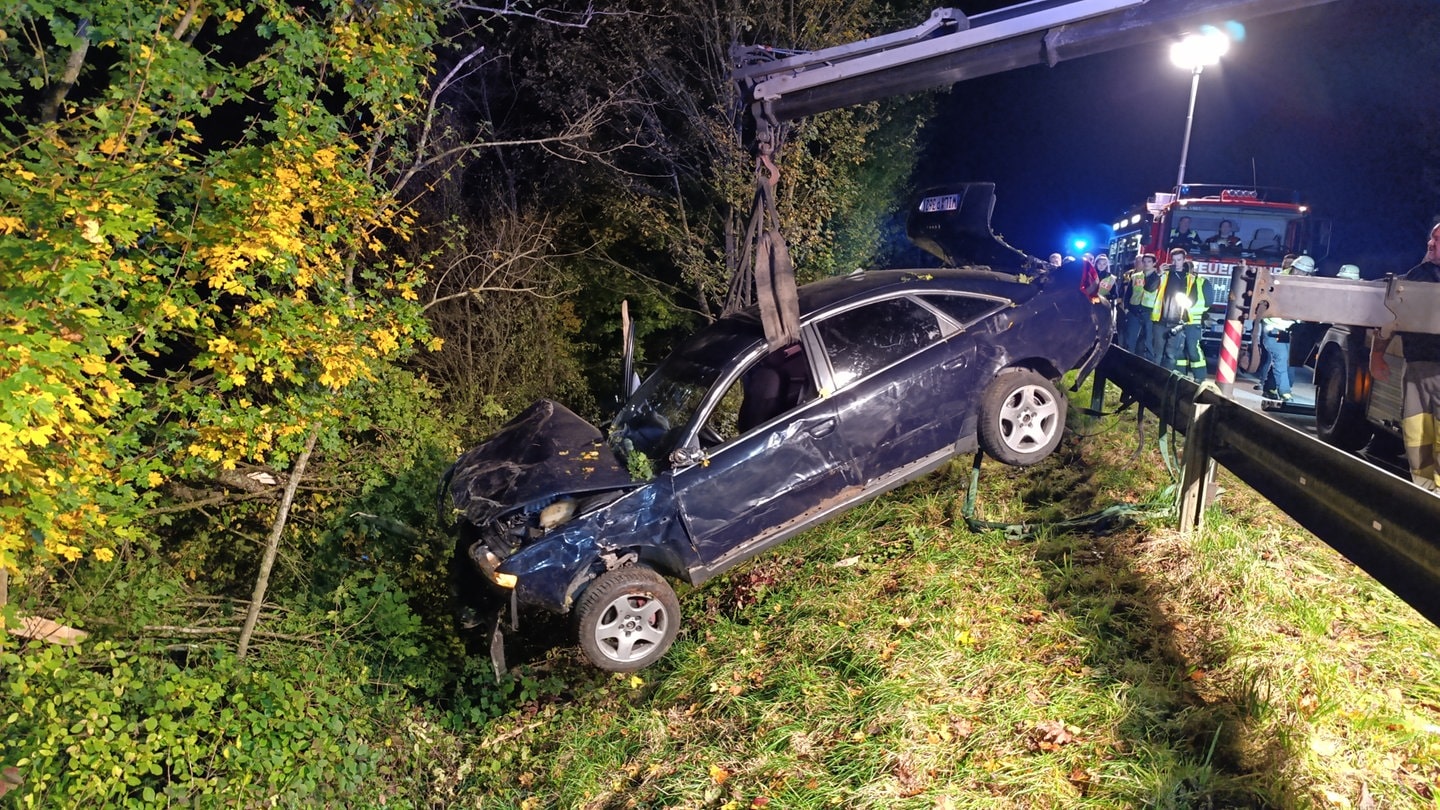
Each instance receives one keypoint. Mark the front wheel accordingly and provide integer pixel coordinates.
(1022, 416)
(627, 619)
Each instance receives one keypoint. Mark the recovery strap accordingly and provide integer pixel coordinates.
(765, 267)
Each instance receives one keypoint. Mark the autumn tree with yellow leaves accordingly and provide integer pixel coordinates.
(198, 209)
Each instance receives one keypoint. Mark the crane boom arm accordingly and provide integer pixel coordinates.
(1391, 304)
(950, 47)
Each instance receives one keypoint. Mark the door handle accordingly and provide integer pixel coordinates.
(822, 430)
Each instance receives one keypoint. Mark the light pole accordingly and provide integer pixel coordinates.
(1193, 53)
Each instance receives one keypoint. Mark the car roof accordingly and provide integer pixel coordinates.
(836, 291)
(830, 292)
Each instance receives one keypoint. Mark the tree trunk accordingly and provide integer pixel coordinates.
(50, 108)
(262, 581)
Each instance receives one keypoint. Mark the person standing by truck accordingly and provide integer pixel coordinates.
(1181, 302)
(1275, 365)
(1420, 411)
(1141, 284)
(1275, 336)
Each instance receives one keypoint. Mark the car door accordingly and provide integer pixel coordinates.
(972, 357)
(749, 487)
(902, 372)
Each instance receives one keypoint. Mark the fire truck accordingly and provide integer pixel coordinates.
(1264, 224)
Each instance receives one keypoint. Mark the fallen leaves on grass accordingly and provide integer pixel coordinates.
(910, 782)
(1049, 735)
(954, 728)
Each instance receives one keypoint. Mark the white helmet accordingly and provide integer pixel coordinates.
(1349, 271)
(1303, 265)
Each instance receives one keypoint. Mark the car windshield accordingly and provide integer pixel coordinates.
(1253, 232)
(657, 414)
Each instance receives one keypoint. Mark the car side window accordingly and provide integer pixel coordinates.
(865, 339)
(964, 309)
(781, 381)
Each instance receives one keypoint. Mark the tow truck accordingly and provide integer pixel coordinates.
(1350, 404)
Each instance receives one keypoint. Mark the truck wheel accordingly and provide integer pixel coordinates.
(1022, 416)
(1339, 420)
(627, 619)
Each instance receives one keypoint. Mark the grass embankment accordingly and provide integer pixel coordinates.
(895, 659)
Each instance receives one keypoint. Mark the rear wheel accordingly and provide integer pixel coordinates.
(1022, 416)
(1339, 420)
(627, 619)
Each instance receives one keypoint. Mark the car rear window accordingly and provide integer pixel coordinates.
(964, 309)
(873, 336)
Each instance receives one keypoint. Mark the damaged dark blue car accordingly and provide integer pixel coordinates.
(731, 446)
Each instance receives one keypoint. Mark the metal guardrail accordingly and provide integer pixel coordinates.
(1387, 526)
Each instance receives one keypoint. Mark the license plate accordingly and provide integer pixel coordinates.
(945, 202)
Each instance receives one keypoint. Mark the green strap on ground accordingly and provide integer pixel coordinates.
(1164, 504)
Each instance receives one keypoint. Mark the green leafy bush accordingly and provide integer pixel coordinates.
(106, 726)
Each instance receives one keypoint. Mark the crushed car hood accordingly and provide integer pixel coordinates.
(545, 452)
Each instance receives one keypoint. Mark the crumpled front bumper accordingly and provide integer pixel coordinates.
(495, 631)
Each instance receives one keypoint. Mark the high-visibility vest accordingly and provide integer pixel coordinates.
(1195, 289)
(1136, 280)
(1149, 297)
(1139, 296)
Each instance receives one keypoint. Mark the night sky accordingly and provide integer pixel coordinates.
(1340, 102)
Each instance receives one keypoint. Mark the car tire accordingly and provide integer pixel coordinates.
(627, 618)
(1022, 416)
(1339, 420)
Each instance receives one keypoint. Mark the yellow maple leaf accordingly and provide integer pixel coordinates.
(718, 774)
(90, 230)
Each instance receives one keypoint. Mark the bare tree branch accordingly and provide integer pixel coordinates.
(186, 20)
(215, 500)
(178, 630)
(550, 16)
(262, 580)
